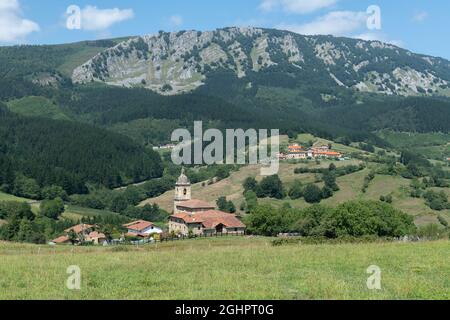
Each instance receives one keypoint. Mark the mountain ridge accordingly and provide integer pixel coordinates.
(180, 62)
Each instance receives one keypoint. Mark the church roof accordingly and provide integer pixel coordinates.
(196, 204)
(211, 219)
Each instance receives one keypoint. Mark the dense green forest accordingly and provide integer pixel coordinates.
(39, 152)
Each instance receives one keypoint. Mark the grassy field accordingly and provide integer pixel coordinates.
(9, 197)
(227, 268)
(75, 213)
(37, 107)
(434, 145)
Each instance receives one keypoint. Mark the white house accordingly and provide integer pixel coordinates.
(141, 228)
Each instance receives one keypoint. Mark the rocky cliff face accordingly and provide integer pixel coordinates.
(173, 63)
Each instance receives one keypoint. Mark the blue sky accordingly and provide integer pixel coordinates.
(418, 25)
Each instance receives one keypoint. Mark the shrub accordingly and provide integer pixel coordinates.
(312, 194)
(296, 191)
(225, 206)
(431, 232)
(359, 218)
(271, 187)
(443, 221)
(436, 200)
(52, 208)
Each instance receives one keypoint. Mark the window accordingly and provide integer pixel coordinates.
(185, 191)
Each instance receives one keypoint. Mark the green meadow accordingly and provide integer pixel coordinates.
(227, 268)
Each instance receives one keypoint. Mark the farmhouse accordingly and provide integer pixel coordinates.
(84, 229)
(198, 216)
(83, 232)
(96, 238)
(141, 228)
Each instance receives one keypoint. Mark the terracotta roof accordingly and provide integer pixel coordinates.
(212, 218)
(196, 204)
(328, 153)
(295, 148)
(138, 225)
(188, 218)
(79, 228)
(62, 239)
(96, 235)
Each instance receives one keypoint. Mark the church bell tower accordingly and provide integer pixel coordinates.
(182, 190)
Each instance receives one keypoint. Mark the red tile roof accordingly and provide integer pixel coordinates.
(139, 225)
(196, 204)
(96, 235)
(62, 239)
(329, 153)
(295, 148)
(211, 219)
(79, 228)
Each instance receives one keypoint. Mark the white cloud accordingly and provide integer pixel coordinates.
(420, 16)
(176, 20)
(337, 23)
(12, 26)
(94, 19)
(351, 24)
(296, 6)
(376, 36)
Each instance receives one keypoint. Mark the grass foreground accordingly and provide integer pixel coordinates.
(227, 268)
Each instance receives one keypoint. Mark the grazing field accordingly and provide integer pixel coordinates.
(9, 197)
(350, 189)
(37, 107)
(232, 187)
(227, 268)
(75, 213)
(434, 145)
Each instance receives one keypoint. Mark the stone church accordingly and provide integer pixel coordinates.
(198, 216)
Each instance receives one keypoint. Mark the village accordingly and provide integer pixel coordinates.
(317, 151)
(190, 218)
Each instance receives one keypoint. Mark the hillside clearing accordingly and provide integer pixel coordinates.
(9, 197)
(34, 106)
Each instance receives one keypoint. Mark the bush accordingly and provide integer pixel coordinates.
(436, 200)
(387, 199)
(251, 201)
(312, 193)
(53, 192)
(225, 206)
(443, 221)
(359, 218)
(431, 232)
(326, 193)
(250, 184)
(296, 191)
(18, 210)
(52, 208)
(270, 187)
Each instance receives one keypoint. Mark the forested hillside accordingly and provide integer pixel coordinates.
(60, 126)
(39, 152)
